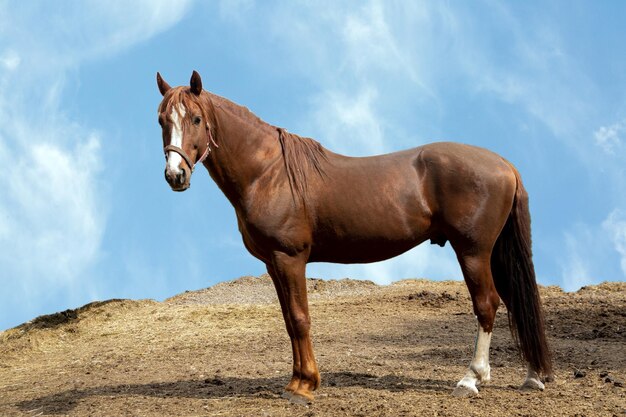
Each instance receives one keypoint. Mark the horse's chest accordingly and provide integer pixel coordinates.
(263, 237)
(253, 240)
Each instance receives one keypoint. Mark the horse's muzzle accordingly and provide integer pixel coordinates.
(178, 180)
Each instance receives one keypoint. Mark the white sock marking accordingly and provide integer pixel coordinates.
(479, 370)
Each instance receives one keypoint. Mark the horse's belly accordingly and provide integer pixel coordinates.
(362, 234)
(350, 251)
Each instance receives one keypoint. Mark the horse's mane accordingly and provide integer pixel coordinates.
(302, 156)
(238, 110)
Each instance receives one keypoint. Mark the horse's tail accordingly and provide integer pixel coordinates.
(514, 277)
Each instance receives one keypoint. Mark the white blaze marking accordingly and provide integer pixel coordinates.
(479, 370)
(176, 138)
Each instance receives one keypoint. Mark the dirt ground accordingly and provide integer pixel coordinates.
(393, 350)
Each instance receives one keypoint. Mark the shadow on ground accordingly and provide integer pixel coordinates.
(64, 402)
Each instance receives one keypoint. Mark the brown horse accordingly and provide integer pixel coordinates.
(297, 202)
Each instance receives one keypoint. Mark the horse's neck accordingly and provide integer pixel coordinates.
(245, 151)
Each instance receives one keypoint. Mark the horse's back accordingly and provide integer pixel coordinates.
(463, 154)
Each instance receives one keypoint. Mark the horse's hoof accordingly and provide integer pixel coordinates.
(463, 391)
(300, 399)
(532, 384)
(287, 394)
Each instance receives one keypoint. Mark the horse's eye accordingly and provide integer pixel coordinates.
(161, 121)
(197, 120)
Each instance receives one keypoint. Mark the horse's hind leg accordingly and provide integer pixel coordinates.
(477, 273)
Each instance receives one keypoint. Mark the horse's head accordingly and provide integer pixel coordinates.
(186, 130)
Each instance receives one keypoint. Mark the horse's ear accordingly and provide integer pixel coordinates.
(196, 83)
(163, 85)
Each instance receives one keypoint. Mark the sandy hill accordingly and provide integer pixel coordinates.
(382, 350)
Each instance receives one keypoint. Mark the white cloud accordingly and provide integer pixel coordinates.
(609, 137)
(53, 207)
(349, 124)
(10, 60)
(59, 35)
(53, 218)
(382, 40)
(368, 41)
(418, 48)
(533, 71)
(589, 255)
(576, 264)
(353, 53)
(615, 225)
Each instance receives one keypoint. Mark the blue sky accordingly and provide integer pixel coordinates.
(85, 213)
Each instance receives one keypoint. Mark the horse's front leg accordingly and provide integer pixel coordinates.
(288, 274)
(292, 386)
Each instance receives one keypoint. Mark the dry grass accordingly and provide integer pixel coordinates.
(394, 350)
